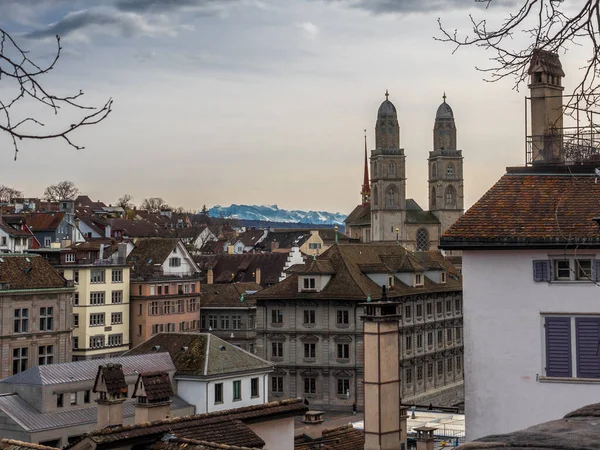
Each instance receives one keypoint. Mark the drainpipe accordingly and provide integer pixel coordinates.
(207, 392)
(355, 359)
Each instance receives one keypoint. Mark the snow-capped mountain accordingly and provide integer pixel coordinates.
(274, 214)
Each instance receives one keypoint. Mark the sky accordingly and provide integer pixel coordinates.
(258, 101)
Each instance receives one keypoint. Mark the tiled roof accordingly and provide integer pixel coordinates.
(243, 267)
(114, 379)
(10, 444)
(345, 437)
(137, 228)
(228, 295)
(85, 370)
(176, 443)
(43, 221)
(351, 262)
(32, 420)
(223, 431)
(157, 385)
(12, 230)
(201, 354)
(28, 272)
(149, 252)
(285, 238)
(526, 207)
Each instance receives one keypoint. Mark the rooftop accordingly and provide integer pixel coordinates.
(18, 271)
(228, 295)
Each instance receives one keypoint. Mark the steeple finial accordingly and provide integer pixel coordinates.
(366, 187)
(387, 94)
(444, 96)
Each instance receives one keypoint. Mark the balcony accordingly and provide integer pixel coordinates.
(96, 262)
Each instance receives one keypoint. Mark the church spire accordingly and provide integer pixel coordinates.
(366, 187)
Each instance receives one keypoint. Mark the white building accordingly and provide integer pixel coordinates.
(212, 374)
(531, 265)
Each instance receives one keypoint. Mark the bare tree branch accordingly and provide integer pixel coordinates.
(17, 67)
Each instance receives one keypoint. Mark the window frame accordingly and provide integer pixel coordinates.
(254, 387)
(237, 390)
(218, 393)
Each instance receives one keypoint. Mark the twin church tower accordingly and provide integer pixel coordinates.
(386, 215)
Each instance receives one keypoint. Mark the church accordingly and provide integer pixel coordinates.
(385, 214)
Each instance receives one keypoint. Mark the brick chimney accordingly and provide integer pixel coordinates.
(425, 439)
(257, 275)
(153, 392)
(111, 388)
(385, 417)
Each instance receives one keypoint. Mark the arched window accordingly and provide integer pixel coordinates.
(391, 169)
(375, 196)
(422, 240)
(450, 170)
(433, 170)
(392, 196)
(433, 197)
(450, 197)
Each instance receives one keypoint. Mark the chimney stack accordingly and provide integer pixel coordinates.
(385, 417)
(111, 388)
(425, 438)
(257, 275)
(153, 392)
(210, 276)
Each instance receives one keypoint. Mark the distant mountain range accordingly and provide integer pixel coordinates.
(274, 214)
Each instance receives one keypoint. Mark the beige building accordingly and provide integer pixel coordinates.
(35, 314)
(385, 214)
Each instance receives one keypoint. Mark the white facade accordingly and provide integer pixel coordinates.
(201, 393)
(13, 244)
(506, 383)
(179, 262)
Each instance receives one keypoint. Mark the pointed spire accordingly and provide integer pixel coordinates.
(387, 94)
(366, 187)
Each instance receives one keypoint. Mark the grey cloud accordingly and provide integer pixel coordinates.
(141, 6)
(418, 6)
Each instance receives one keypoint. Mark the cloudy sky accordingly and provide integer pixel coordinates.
(259, 101)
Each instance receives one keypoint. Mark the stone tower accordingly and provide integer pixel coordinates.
(388, 179)
(446, 197)
(385, 417)
(545, 84)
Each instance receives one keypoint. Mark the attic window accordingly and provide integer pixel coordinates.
(443, 278)
(418, 279)
(309, 283)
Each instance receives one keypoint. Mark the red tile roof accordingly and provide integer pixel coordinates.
(43, 221)
(28, 272)
(527, 207)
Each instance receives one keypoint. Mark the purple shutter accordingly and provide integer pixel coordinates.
(596, 269)
(588, 337)
(558, 346)
(541, 270)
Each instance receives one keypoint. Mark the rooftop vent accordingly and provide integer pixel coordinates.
(156, 348)
(222, 348)
(184, 349)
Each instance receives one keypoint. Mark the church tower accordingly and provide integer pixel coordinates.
(366, 187)
(446, 197)
(388, 179)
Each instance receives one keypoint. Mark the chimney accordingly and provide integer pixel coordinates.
(545, 85)
(209, 276)
(122, 252)
(230, 249)
(107, 231)
(425, 438)
(257, 274)
(274, 245)
(385, 417)
(111, 388)
(153, 392)
(101, 253)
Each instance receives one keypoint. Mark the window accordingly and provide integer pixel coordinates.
(225, 322)
(449, 364)
(408, 341)
(254, 387)
(45, 354)
(140, 289)
(97, 320)
(154, 308)
(449, 335)
(440, 338)
(343, 387)
(75, 342)
(418, 280)
(218, 393)
(448, 306)
(277, 349)
(450, 170)
(75, 320)
(96, 341)
(343, 317)
(117, 297)
(167, 307)
(116, 317)
(59, 400)
(277, 384)
(408, 375)
(422, 240)
(236, 322)
(139, 330)
(20, 358)
(21, 320)
(309, 283)
(186, 288)
(419, 341)
(97, 276)
(73, 397)
(212, 321)
(76, 276)
(174, 262)
(430, 370)
(310, 351)
(439, 308)
(419, 310)
(343, 351)
(114, 340)
(457, 305)
(166, 287)
(443, 278)
(392, 197)
(407, 312)
(450, 197)
(314, 245)
(276, 316)
(4, 240)
(459, 363)
(70, 257)
(309, 316)
(429, 338)
(391, 169)
(440, 368)
(76, 298)
(47, 241)
(562, 269)
(429, 308)
(310, 385)
(419, 373)
(117, 276)
(140, 309)
(433, 197)
(86, 396)
(458, 334)
(237, 390)
(193, 305)
(96, 298)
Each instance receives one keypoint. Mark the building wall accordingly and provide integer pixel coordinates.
(244, 337)
(411, 230)
(504, 367)
(59, 337)
(13, 244)
(85, 288)
(277, 434)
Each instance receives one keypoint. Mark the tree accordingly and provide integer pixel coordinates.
(549, 25)
(8, 193)
(154, 204)
(65, 190)
(22, 81)
(204, 210)
(125, 202)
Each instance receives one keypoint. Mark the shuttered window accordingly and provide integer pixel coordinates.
(541, 270)
(587, 330)
(558, 346)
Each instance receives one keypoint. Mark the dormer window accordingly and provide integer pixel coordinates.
(390, 281)
(443, 278)
(418, 279)
(310, 283)
(70, 257)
